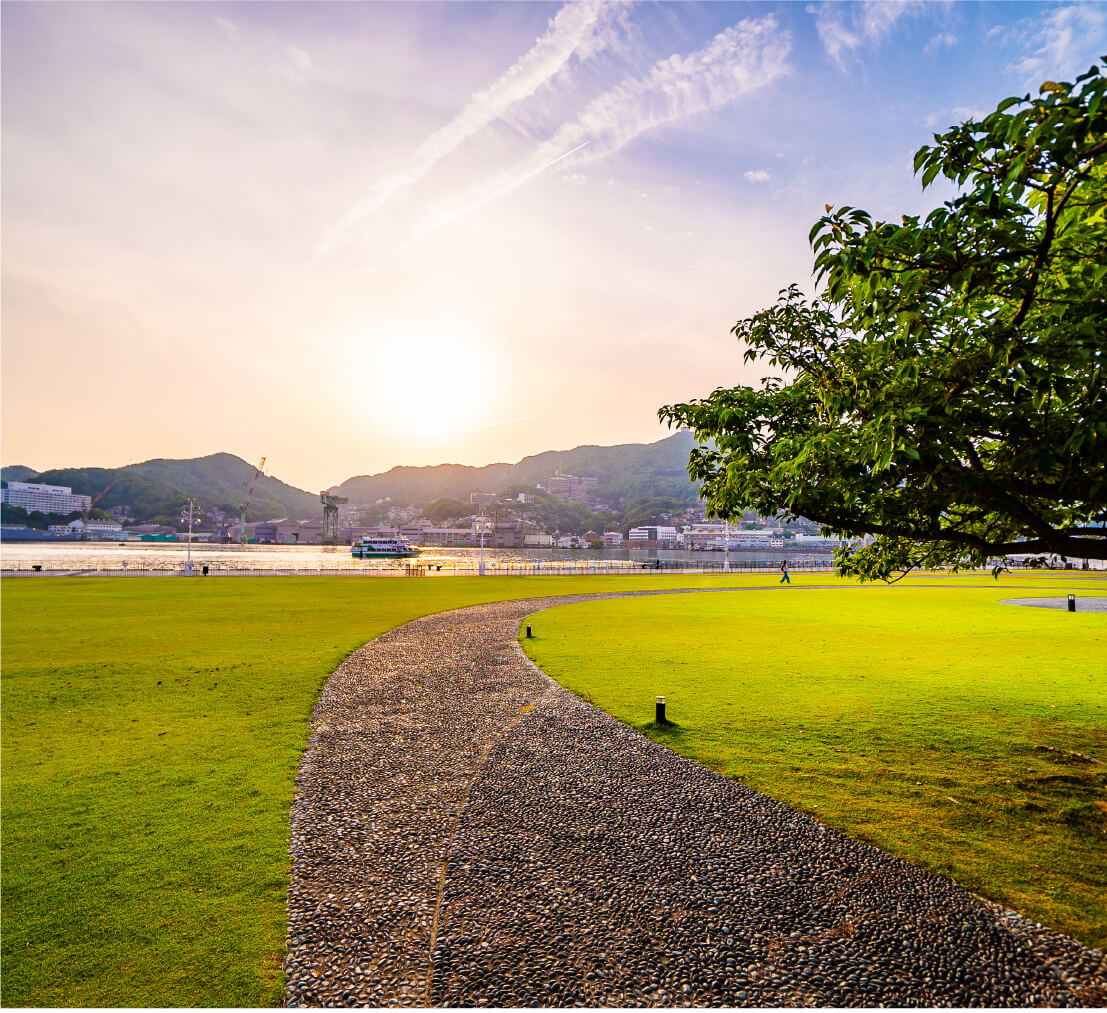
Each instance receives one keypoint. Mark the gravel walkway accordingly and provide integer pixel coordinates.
(466, 833)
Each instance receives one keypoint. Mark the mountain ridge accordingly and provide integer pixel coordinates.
(623, 471)
(157, 488)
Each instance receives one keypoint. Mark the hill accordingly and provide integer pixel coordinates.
(626, 472)
(156, 490)
(17, 473)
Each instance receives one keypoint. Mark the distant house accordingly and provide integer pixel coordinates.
(613, 538)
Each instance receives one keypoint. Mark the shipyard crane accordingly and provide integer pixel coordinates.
(331, 503)
(88, 510)
(246, 502)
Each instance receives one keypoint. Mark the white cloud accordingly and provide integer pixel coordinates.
(744, 57)
(582, 29)
(757, 176)
(1066, 42)
(942, 39)
(844, 28)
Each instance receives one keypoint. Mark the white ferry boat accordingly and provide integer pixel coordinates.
(384, 545)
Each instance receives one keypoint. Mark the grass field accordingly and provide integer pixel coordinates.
(151, 731)
(926, 718)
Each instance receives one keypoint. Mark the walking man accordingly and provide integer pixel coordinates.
(785, 579)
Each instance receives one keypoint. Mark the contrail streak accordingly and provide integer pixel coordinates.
(580, 29)
(500, 191)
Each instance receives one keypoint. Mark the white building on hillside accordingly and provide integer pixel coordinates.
(50, 499)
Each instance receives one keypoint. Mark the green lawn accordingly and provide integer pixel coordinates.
(151, 731)
(926, 717)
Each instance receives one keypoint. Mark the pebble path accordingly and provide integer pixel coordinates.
(467, 833)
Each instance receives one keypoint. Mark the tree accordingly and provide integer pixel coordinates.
(945, 392)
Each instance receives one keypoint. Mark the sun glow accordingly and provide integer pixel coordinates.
(427, 385)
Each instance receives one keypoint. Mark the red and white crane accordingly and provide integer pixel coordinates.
(246, 502)
(85, 513)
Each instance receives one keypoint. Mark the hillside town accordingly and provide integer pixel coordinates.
(516, 519)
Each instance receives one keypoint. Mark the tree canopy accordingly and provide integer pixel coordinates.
(944, 393)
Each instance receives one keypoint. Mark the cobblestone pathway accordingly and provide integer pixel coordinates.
(467, 833)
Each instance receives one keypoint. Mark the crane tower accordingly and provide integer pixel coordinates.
(331, 503)
(246, 502)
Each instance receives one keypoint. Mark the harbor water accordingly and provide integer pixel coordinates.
(22, 558)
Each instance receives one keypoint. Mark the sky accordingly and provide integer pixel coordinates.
(357, 235)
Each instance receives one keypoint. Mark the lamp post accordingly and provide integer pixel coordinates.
(188, 548)
(726, 545)
(480, 525)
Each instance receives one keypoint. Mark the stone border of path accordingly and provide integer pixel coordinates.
(466, 832)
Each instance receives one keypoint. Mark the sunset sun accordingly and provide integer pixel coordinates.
(429, 385)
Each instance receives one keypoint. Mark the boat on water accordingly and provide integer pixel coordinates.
(383, 546)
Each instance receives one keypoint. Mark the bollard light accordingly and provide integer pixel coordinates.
(659, 711)
(529, 634)
(1072, 603)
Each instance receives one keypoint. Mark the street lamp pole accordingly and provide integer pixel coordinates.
(188, 551)
(726, 545)
(480, 521)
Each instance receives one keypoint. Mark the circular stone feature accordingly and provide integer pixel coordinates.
(1083, 603)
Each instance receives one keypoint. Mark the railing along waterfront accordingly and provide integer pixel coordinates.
(465, 568)
(469, 568)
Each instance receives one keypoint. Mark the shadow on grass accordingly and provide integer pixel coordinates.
(664, 732)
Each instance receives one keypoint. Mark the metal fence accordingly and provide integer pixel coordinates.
(464, 568)
(468, 568)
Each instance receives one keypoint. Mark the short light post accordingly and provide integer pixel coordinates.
(659, 712)
(1072, 603)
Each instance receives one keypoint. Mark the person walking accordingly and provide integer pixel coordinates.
(785, 579)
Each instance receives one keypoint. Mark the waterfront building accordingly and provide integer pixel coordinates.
(706, 535)
(613, 538)
(93, 529)
(506, 535)
(49, 499)
(451, 537)
(665, 536)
